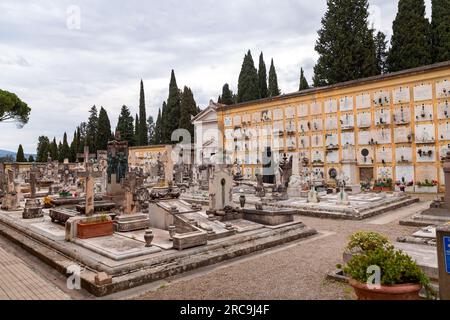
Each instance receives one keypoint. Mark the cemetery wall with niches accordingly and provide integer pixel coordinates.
(394, 126)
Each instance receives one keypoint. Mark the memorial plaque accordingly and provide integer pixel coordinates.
(444, 131)
(364, 137)
(229, 145)
(403, 154)
(363, 101)
(303, 141)
(447, 254)
(333, 156)
(278, 126)
(348, 138)
(318, 155)
(402, 95)
(425, 172)
(304, 126)
(237, 120)
(365, 155)
(384, 173)
(266, 115)
(331, 123)
(277, 114)
(346, 103)
(364, 119)
(402, 134)
(317, 124)
(404, 174)
(402, 115)
(316, 108)
(423, 92)
(347, 120)
(425, 133)
(332, 139)
(291, 142)
(384, 136)
(303, 110)
(384, 155)
(444, 110)
(228, 122)
(426, 153)
(229, 134)
(443, 89)
(443, 150)
(290, 126)
(381, 98)
(383, 116)
(317, 140)
(331, 106)
(290, 113)
(423, 112)
(256, 117)
(246, 119)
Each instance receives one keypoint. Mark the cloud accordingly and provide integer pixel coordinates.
(61, 72)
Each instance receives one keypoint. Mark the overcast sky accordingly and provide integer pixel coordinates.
(61, 65)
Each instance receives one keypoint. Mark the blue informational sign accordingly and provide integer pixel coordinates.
(447, 253)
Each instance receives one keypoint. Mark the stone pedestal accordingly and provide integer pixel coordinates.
(343, 199)
(313, 197)
(10, 202)
(33, 209)
(350, 169)
(131, 222)
(443, 253)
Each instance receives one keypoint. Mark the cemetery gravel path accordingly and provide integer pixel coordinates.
(297, 272)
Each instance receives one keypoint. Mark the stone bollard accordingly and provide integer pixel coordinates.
(443, 253)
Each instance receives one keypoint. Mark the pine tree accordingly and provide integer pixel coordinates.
(20, 157)
(227, 95)
(143, 128)
(188, 109)
(173, 109)
(248, 88)
(92, 129)
(31, 158)
(274, 90)
(262, 78)
(42, 149)
(440, 26)
(303, 82)
(411, 39)
(125, 125)
(381, 52)
(346, 47)
(136, 130)
(104, 130)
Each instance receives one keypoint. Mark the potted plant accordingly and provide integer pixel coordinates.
(95, 226)
(400, 277)
(427, 186)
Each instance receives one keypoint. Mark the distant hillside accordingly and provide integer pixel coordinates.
(5, 153)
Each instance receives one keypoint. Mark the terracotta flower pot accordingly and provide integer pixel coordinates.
(395, 292)
(94, 230)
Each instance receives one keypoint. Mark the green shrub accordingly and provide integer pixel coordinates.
(396, 268)
(365, 241)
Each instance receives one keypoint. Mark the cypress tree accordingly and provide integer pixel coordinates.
(143, 128)
(136, 130)
(411, 39)
(262, 78)
(20, 156)
(92, 129)
(440, 26)
(151, 130)
(274, 90)
(173, 109)
(64, 149)
(30, 158)
(74, 147)
(60, 153)
(248, 88)
(188, 109)
(42, 149)
(381, 52)
(303, 82)
(227, 95)
(158, 127)
(104, 130)
(345, 46)
(53, 150)
(165, 124)
(125, 126)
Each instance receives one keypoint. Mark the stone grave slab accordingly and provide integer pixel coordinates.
(50, 230)
(161, 239)
(117, 247)
(242, 225)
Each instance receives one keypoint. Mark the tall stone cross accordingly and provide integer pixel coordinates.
(89, 177)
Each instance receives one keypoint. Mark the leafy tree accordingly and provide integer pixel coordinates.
(345, 46)
(248, 88)
(262, 78)
(104, 130)
(43, 149)
(274, 90)
(143, 129)
(13, 109)
(20, 157)
(125, 125)
(381, 52)
(411, 39)
(303, 82)
(440, 26)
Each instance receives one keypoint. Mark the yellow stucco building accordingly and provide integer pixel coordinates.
(394, 126)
